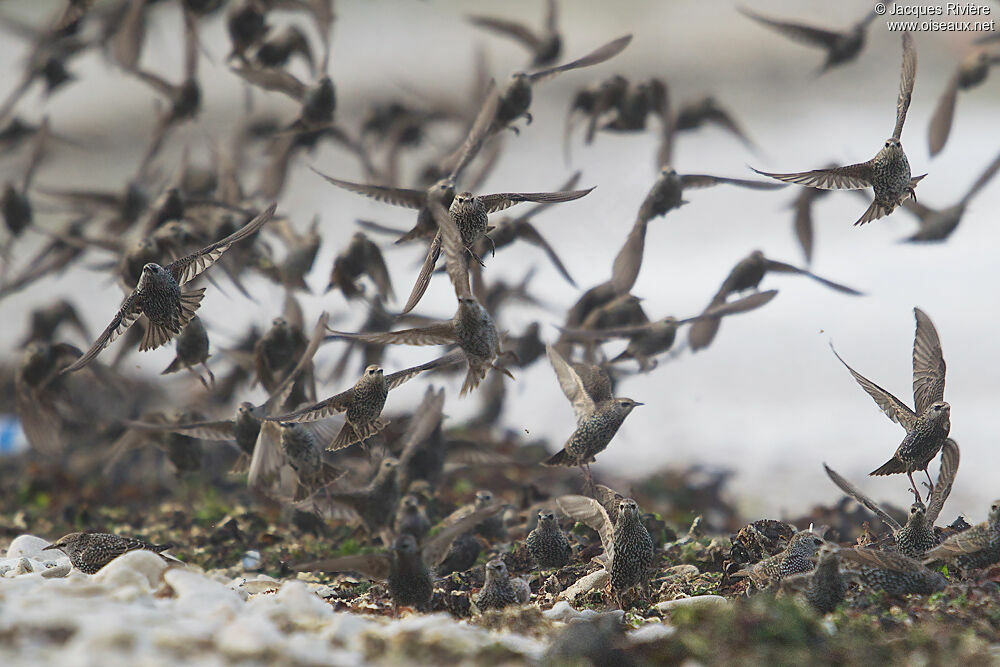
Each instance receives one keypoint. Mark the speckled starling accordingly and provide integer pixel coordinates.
(975, 547)
(841, 47)
(192, 350)
(547, 544)
(89, 552)
(305, 457)
(159, 298)
(888, 173)
(796, 558)
(894, 573)
(497, 591)
(376, 502)
(360, 257)
(597, 421)
(826, 586)
(928, 426)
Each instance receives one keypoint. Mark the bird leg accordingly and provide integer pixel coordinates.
(476, 257)
(912, 483)
(204, 382)
(211, 375)
(493, 246)
(930, 484)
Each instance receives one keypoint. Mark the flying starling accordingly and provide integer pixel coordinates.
(802, 223)
(597, 100)
(499, 590)
(361, 257)
(363, 403)
(47, 320)
(938, 224)
(405, 567)
(598, 417)
(971, 72)
(841, 47)
(796, 558)
(493, 527)
(547, 544)
(917, 535)
(976, 547)
(159, 298)
(375, 504)
(89, 551)
(894, 573)
(192, 350)
(545, 45)
(653, 338)
(628, 547)
(927, 427)
(888, 173)
(746, 275)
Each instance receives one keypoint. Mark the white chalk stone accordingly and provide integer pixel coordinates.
(141, 569)
(585, 584)
(29, 546)
(696, 601)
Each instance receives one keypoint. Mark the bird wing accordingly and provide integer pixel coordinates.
(396, 196)
(377, 270)
(268, 460)
(743, 305)
(796, 31)
(605, 334)
(479, 131)
(906, 80)
(950, 456)
(928, 364)
(441, 333)
(126, 317)
(590, 513)
(893, 408)
(373, 566)
(532, 211)
(512, 29)
(425, 419)
(886, 560)
(705, 181)
(424, 276)
(271, 78)
(217, 430)
(571, 384)
(782, 267)
(393, 380)
(527, 231)
(628, 261)
(331, 406)
(967, 542)
(454, 250)
(855, 493)
(595, 57)
(609, 499)
(940, 125)
(186, 269)
(436, 548)
(500, 201)
(981, 182)
(851, 177)
(303, 365)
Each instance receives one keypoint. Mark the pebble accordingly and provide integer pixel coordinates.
(698, 601)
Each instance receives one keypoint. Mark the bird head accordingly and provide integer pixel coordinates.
(405, 543)
(484, 498)
(627, 404)
(496, 569)
(546, 517)
(373, 371)
(65, 542)
(892, 142)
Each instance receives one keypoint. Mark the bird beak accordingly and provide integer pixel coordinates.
(51, 546)
(638, 404)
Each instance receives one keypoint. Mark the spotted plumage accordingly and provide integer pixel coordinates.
(826, 586)
(631, 553)
(975, 547)
(89, 552)
(547, 544)
(796, 558)
(498, 591)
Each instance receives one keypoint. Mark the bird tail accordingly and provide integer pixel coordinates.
(874, 212)
(624, 356)
(560, 458)
(174, 366)
(352, 433)
(473, 378)
(890, 467)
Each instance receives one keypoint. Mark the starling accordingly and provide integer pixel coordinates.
(917, 535)
(888, 173)
(192, 350)
(304, 454)
(927, 427)
(628, 547)
(894, 573)
(976, 547)
(499, 591)
(493, 527)
(545, 46)
(971, 72)
(375, 503)
(826, 586)
(747, 274)
(363, 403)
(159, 298)
(405, 567)
(89, 551)
(423, 452)
(361, 257)
(802, 224)
(246, 23)
(547, 544)
(278, 49)
(796, 558)
(39, 391)
(598, 417)
(46, 321)
(462, 555)
(841, 47)
(938, 224)
(631, 106)
(594, 102)
(649, 340)
(515, 98)
(411, 518)
(700, 112)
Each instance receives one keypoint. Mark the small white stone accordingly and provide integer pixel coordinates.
(562, 611)
(57, 569)
(24, 566)
(584, 585)
(250, 560)
(651, 632)
(696, 601)
(29, 546)
(139, 568)
(684, 569)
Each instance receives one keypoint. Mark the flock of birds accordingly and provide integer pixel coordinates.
(167, 235)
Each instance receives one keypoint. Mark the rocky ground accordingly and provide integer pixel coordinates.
(239, 602)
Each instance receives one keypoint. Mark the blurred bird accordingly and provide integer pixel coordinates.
(971, 72)
(545, 46)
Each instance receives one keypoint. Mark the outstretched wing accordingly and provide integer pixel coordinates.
(571, 385)
(906, 80)
(500, 201)
(851, 177)
(893, 408)
(126, 317)
(373, 566)
(855, 493)
(186, 269)
(590, 513)
(803, 34)
(436, 548)
(782, 267)
(434, 334)
(946, 479)
(393, 380)
(396, 196)
(928, 364)
(595, 57)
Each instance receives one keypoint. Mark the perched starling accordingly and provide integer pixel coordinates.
(628, 547)
(971, 72)
(363, 403)
(796, 558)
(938, 224)
(888, 173)
(598, 417)
(89, 552)
(463, 554)
(192, 350)
(158, 296)
(545, 45)
(404, 567)
(928, 426)
(499, 591)
(894, 573)
(547, 544)
(826, 586)
(411, 518)
(917, 535)
(841, 47)
(975, 547)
